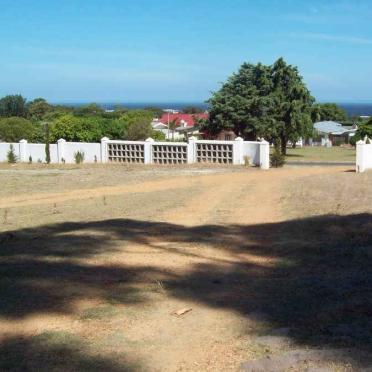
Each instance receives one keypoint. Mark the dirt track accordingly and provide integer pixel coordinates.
(132, 247)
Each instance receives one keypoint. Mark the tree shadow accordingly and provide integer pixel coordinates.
(312, 276)
(294, 156)
(42, 353)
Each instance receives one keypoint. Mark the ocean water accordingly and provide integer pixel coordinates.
(353, 109)
(357, 109)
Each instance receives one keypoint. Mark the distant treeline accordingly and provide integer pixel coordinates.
(34, 120)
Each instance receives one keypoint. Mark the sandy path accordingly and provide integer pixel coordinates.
(215, 188)
(208, 338)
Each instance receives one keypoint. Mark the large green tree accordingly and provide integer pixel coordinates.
(328, 111)
(38, 108)
(263, 101)
(293, 103)
(14, 129)
(13, 105)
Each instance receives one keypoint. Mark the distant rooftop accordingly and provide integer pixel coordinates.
(331, 127)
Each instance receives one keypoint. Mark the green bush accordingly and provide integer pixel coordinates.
(11, 155)
(79, 157)
(277, 159)
(353, 140)
(158, 136)
(14, 129)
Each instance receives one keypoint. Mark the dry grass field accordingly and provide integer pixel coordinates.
(268, 271)
(321, 154)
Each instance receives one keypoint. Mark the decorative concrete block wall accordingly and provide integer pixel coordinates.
(145, 152)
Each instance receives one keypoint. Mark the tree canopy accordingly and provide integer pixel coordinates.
(13, 105)
(38, 108)
(365, 129)
(87, 123)
(263, 101)
(328, 111)
(14, 129)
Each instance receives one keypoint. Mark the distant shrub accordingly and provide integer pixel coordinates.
(30, 159)
(14, 129)
(277, 159)
(11, 155)
(79, 157)
(157, 135)
(47, 144)
(247, 161)
(354, 139)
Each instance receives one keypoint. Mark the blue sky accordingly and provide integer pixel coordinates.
(161, 51)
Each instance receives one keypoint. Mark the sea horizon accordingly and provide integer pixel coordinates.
(352, 108)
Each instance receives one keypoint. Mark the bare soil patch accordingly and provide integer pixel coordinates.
(96, 261)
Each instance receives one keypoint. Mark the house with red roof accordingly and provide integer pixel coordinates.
(176, 125)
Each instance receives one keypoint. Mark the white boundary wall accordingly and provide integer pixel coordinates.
(146, 152)
(363, 156)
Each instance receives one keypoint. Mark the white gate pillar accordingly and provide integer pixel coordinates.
(104, 150)
(22, 150)
(238, 151)
(148, 150)
(191, 150)
(264, 155)
(360, 157)
(61, 150)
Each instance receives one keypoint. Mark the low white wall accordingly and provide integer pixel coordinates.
(37, 152)
(92, 151)
(363, 156)
(61, 150)
(223, 152)
(252, 149)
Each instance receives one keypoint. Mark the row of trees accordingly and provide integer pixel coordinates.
(268, 101)
(20, 119)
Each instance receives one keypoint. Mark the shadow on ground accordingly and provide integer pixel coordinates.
(42, 353)
(317, 281)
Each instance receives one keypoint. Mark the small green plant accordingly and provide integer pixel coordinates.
(39, 161)
(79, 157)
(11, 155)
(63, 160)
(277, 159)
(47, 144)
(95, 158)
(30, 159)
(247, 161)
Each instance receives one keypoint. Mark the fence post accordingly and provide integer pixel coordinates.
(22, 150)
(104, 149)
(238, 151)
(61, 150)
(191, 150)
(148, 150)
(360, 156)
(264, 155)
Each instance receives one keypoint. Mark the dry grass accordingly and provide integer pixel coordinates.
(322, 154)
(96, 260)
